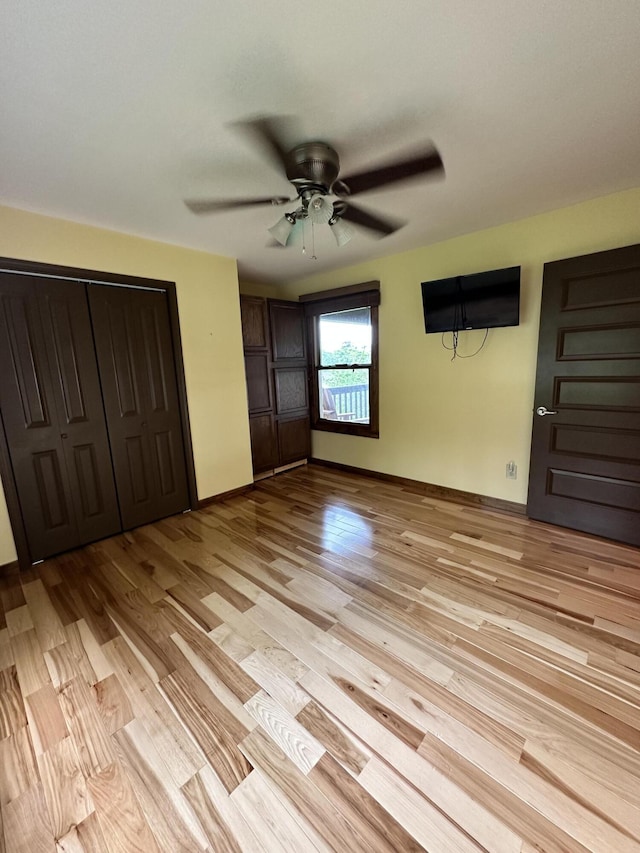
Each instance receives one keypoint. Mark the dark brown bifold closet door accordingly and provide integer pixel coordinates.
(53, 416)
(135, 357)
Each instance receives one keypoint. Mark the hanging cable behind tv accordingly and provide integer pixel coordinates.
(481, 301)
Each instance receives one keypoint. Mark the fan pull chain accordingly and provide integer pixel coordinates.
(313, 242)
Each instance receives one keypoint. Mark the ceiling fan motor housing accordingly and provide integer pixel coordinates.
(313, 166)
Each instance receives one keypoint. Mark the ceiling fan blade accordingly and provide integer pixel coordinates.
(359, 216)
(421, 164)
(214, 205)
(268, 133)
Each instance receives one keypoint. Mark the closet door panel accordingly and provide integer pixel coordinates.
(290, 379)
(264, 446)
(273, 333)
(255, 322)
(117, 334)
(77, 393)
(135, 358)
(292, 390)
(257, 372)
(30, 420)
(293, 440)
(163, 408)
(287, 331)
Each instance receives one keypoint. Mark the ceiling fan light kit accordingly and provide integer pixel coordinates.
(340, 231)
(319, 209)
(313, 169)
(316, 209)
(281, 231)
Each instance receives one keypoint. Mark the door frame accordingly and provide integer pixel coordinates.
(84, 276)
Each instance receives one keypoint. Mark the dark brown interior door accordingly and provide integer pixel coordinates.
(290, 380)
(53, 417)
(135, 358)
(585, 455)
(257, 366)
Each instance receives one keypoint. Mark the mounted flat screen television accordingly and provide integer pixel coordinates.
(485, 300)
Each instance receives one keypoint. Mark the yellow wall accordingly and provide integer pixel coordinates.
(458, 423)
(254, 288)
(454, 424)
(208, 303)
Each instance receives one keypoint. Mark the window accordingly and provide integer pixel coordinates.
(343, 336)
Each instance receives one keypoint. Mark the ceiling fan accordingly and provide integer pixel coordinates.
(322, 194)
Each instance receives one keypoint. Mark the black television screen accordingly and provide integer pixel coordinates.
(481, 301)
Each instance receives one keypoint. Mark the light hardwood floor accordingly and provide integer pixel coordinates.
(327, 663)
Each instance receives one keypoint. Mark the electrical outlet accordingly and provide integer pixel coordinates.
(512, 470)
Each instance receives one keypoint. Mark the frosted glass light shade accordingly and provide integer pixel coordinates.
(319, 209)
(281, 231)
(341, 232)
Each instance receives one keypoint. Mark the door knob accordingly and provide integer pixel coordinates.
(542, 411)
(63, 435)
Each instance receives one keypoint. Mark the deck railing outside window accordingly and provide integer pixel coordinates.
(351, 402)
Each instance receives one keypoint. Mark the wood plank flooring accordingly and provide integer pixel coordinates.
(327, 663)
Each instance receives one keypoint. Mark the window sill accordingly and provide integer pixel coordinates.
(346, 428)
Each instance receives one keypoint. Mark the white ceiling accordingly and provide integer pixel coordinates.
(111, 113)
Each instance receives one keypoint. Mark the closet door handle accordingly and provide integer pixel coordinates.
(64, 435)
